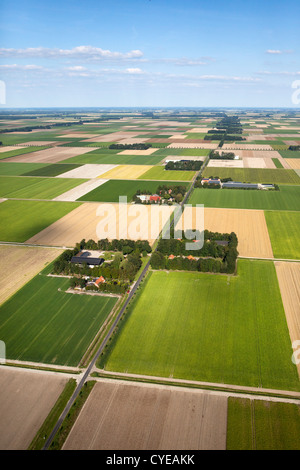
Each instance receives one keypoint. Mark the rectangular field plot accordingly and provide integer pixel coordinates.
(262, 425)
(213, 328)
(18, 169)
(126, 172)
(288, 198)
(18, 187)
(50, 155)
(112, 190)
(13, 151)
(26, 399)
(159, 173)
(284, 233)
(42, 323)
(253, 175)
(23, 219)
(47, 170)
(139, 417)
(109, 157)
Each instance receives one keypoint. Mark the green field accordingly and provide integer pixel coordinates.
(288, 198)
(277, 163)
(182, 152)
(290, 153)
(159, 173)
(19, 151)
(106, 157)
(51, 170)
(35, 188)
(254, 175)
(42, 323)
(284, 230)
(18, 169)
(262, 425)
(23, 219)
(111, 190)
(213, 328)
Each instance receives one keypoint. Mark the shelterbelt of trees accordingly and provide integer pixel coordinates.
(212, 257)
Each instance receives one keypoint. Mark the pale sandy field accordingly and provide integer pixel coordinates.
(132, 140)
(169, 123)
(31, 260)
(257, 153)
(8, 148)
(247, 147)
(51, 155)
(105, 220)
(249, 225)
(184, 145)
(259, 163)
(111, 137)
(87, 171)
(26, 398)
(293, 163)
(149, 151)
(80, 190)
(77, 135)
(225, 163)
(199, 129)
(123, 416)
(38, 143)
(288, 274)
(127, 172)
(178, 158)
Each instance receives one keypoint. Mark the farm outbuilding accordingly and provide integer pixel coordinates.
(91, 262)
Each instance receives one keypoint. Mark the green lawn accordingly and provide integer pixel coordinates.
(34, 187)
(42, 323)
(159, 173)
(21, 220)
(214, 328)
(288, 198)
(284, 228)
(262, 425)
(111, 190)
(255, 175)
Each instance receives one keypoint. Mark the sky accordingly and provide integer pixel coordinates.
(149, 53)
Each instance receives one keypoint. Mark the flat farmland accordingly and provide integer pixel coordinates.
(109, 157)
(290, 154)
(140, 417)
(283, 227)
(18, 169)
(288, 275)
(205, 330)
(288, 198)
(32, 260)
(159, 173)
(262, 425)
(294, 163)
(13, 151)
(23, 219)
(43, 323)
(105, 220)
(249, 225)
(255, 175)
(47, 170)
(26, 399)
(126, 172)
(19, 187)
(50, 155)
(111, 190)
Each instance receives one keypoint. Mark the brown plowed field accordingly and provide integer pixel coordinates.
(51, 155)
(288, 274)
(249, 225)
(19, 264)
(122, 416)
(95, 221)
(26, 398)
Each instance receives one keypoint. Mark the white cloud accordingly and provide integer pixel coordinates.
(20, 67)
(83, 52)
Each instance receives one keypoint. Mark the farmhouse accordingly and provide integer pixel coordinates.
(98, 281)
(85, 259)
(210, 181)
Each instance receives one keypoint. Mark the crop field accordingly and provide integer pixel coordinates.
(262, 425)
(23, 219)
(253, 175)
(35, 188)
(294, 163)
(26, 399)
(288, 198)
(42, 323)
(105, 220)
(290, 154)
(50, 155)
(32, 260)
(14, 151)
(47, 170)
(204, 330)
(159, 173)
(135, 417)
(18, 169)
(107, 157)
(283, 227)
(126, 172)
(111, 190)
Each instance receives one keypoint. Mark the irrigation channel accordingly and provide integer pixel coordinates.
(112, 328)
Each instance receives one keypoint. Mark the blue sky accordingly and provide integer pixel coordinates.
(158, 53)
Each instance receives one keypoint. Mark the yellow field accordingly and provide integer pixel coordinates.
(294, 163)
(126, 172)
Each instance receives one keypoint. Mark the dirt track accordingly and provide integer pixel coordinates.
(131, 417)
